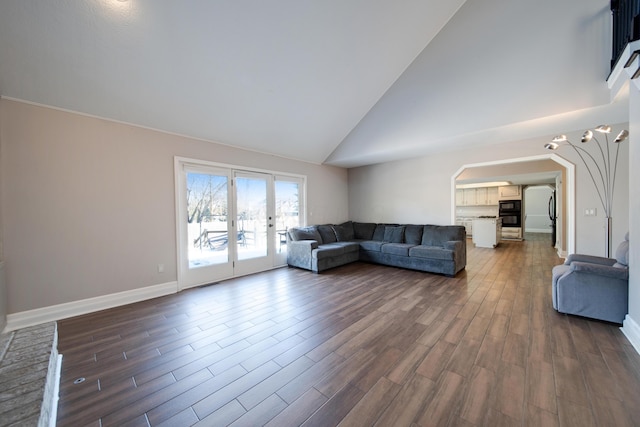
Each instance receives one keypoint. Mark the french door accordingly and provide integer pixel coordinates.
(253, 202)
(232, 222)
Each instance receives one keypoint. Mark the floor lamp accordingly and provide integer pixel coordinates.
(602, 169)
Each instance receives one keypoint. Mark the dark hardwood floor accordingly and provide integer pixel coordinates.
(358, 345)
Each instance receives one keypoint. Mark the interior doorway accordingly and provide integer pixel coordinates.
(526, 170)
(540, 211)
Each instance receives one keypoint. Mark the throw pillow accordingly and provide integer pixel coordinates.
(393, 234)
(327, 233)
(622, 253)
(344, 232)
(413, 234)
(305, 233)
(378, 233)
(363, 230)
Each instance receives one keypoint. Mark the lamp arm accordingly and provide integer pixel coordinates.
(615, 170)
(606, 161)
(578, 150)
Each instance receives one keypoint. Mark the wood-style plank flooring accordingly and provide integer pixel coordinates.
(358, 345)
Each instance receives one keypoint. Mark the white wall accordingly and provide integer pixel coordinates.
(634, 212)
(87, 205)
(536, 209)
(419, 190)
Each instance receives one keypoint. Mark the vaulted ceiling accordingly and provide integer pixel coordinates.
(342, 82)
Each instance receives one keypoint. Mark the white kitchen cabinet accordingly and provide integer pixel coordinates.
(470, 197)
(468, 227)
(512, 233)
(487, 232)
(481, 196)
(492, 196)
(510, 192)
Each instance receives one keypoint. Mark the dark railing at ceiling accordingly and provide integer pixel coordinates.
(626, 26)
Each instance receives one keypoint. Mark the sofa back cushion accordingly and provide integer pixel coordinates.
(327, 233)
(305, 233)
(413, 234)
(363, 230)
(344, 232)
(436, 235)
(393, 234)
(378, 233)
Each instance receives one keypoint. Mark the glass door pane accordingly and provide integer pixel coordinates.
(205, 253)
(207, 219)
(288, 212)
(252, 221)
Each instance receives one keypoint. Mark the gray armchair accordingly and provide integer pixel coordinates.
(592, 286)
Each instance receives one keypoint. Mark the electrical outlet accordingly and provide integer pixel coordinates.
(591, 212)
(160, 268)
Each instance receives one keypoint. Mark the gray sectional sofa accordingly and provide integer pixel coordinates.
(432, 248)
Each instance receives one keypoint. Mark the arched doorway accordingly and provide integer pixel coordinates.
(548, 168)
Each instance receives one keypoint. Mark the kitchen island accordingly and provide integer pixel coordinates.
(487, 232)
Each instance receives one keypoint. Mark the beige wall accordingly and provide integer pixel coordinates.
(419, 190)
(87, 205)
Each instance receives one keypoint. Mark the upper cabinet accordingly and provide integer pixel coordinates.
(510, 192)
(466, 197)
(483, 196)
(492, 195)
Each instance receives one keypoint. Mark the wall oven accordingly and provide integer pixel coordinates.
(511, 213)
(511, 220)
(510, 206)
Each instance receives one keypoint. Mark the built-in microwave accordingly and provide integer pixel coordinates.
(510, 206)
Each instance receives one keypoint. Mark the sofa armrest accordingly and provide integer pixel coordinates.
(299, 253)
(600, 270)
(306, 245)
(589, 259)
(459, 249)
(453, 245)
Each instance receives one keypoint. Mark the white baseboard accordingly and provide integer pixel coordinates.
(28, 318)
(632, 331)
(537, 230)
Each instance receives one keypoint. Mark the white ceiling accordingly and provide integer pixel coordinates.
(342, 82)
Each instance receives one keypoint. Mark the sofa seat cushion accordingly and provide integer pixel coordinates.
(347, 246)
(432, 252)
(371, 245)
(401, 249)
(335, 249)
(327, 251)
